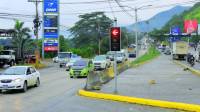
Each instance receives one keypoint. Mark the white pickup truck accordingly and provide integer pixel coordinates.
(101, 62)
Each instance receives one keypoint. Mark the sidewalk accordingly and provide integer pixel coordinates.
(171, 82)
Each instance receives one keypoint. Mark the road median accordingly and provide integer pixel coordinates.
(151, 54)
(141, 101)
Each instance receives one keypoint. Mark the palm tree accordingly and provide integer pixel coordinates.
(21, 38)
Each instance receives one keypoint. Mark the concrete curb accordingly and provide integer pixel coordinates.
(194, 71)
(142, 101)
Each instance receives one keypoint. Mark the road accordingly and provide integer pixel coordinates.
(58, 93)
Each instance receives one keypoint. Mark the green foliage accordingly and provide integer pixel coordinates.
(151, 54)
(178, 20)
(63, 44)
(21, 39)
(85, 52)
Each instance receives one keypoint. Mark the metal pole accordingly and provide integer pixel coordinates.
(136, 35)
(115, 66)
(37, 48)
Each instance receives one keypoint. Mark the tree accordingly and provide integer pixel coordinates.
(21, 38)
(90, 28)
(63, 44)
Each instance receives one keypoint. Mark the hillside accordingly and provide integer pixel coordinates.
(159, 20)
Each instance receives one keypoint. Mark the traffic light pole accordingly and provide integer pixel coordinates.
(115, 66)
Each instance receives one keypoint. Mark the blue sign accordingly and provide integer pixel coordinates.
(50, 33)
(50, 44)
(50, 21)
(175, 30)
(51, 6)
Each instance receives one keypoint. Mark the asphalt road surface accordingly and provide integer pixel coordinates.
(58, 93)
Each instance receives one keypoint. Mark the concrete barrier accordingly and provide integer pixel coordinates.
(142, 101)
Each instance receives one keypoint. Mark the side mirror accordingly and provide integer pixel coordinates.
(28, 73)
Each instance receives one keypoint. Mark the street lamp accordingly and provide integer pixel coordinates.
(136, 20)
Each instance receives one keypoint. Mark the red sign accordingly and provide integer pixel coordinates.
(190, 26)
(50, 48)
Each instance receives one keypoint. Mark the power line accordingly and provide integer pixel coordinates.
(111, 8)
(93, 2)
(123, 9)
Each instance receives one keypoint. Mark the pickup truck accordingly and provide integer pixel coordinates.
(101, 62)
(7, 57)
(179, 50)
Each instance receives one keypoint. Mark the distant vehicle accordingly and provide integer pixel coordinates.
(20, 78)
(120, 57)
(101, 62)
(125, 52)
(7, 57)
(71, 62)
(132, 51)
(63, 58)
(167, 52)
(81, 68)
(110, 55)
(30, 58)
(179, 50)
(55, 59)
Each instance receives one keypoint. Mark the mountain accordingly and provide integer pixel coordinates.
(159, 20)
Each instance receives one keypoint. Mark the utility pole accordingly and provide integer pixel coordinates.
(136, 33)
(99, 37)
(37, 23)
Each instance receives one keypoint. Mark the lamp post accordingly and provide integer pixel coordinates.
(136, 20)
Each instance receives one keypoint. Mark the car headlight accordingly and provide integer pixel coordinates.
(17, 80)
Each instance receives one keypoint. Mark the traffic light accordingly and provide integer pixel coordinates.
(115, 39)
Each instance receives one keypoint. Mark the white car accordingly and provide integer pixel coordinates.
(20, 78)
(101, 62)
(120, 57)
(55, 59)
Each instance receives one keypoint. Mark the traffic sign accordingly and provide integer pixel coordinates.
(50, 6)
(115, 39)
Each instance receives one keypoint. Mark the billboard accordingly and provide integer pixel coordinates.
(190, 26)
(50, 48)
(198, 28)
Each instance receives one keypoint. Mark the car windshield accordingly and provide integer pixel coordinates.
(64, 55)
(99, 58)
(15, 71)
(119, 54)
(4, 53)
(73, 60)
(80, 63)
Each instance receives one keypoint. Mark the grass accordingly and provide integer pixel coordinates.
(149, 55)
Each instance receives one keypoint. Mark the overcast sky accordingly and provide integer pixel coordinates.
(69, 11)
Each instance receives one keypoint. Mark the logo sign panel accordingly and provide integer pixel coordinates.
(50, 42)
(50, 6)
(50, 48)
(190, 26)
(50, 21)
(50, 33)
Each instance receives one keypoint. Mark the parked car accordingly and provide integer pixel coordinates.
(30, 58)
(81, 68)
(71, 62)
(20, 78)
(101, 62)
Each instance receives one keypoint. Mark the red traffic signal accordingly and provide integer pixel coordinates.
(115, 38)
(115, 32)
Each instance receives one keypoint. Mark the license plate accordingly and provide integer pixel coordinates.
(5, 86)
(76, 72)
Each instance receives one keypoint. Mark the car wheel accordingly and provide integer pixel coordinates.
(0, 91)
(24, 87)
(60, 66)
(71, 77)
(37, 84)
(11, 63)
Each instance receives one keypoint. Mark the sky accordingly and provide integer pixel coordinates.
(69, 10)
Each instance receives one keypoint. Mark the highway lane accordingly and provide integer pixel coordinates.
(58, 93)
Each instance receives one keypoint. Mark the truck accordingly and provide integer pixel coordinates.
(179, 50)
(7, 57)
(63, 58)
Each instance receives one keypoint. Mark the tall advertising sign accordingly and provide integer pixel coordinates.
(175, 33)
(50, 25)
(190, 26)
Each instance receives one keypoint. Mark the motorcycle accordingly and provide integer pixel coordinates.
(191, 60)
